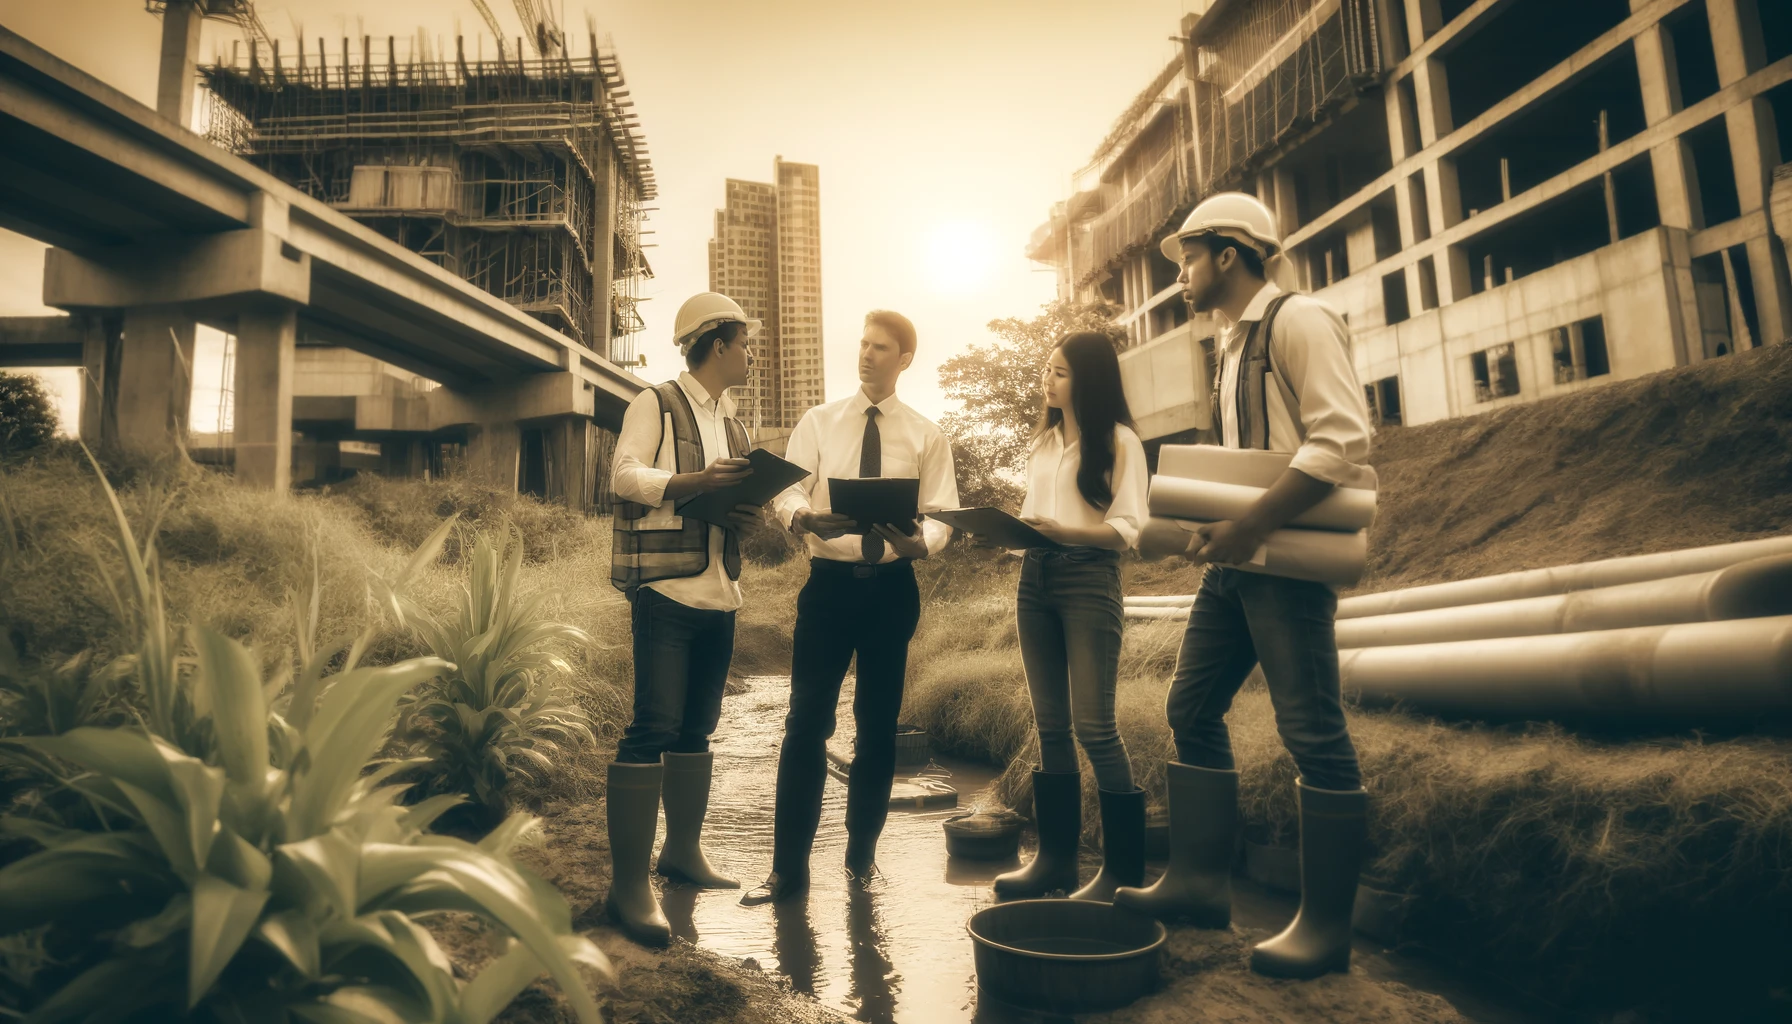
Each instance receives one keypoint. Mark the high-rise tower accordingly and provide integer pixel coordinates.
(766, 255)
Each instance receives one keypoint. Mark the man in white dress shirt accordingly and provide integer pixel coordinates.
(861, 599)
(679, 439)
(1285, 383)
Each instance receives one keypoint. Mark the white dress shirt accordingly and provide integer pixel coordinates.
(1052, 492)
(827, 442)
(644, 464)
(1310, 347)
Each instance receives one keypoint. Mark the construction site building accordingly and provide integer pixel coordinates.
(766, 255)
(527, 177)
(1507, 199)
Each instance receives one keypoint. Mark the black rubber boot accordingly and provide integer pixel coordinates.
(1122, 846)
(1197, 884)
(1058, 812)
(633, 812)
(686, 793)
(1333, 832)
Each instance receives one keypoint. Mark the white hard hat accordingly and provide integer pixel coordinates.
(704, 310)
(1236, 215)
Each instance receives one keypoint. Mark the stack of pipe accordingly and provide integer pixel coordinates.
(1688, 636)
(1202, 483)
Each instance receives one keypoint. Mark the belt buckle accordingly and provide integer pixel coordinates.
(863, 572)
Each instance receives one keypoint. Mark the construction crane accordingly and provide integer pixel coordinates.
(491, 21)
(242, 12)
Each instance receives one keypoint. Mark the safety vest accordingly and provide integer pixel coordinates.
(1256, 368)
(653, 543)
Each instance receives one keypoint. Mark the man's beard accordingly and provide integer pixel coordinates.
(1202, 301)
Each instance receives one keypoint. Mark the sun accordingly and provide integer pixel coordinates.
(960, 255)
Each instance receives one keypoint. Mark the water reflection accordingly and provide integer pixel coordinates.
(893, 950)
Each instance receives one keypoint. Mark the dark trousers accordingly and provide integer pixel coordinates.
(1071, 616)
(681, 666)
(843, 610)
(1240, 619)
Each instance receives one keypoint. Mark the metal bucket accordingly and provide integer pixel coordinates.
(1065, 956)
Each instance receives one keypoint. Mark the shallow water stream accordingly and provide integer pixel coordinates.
(895, 950)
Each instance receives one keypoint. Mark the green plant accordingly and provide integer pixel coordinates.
(506, 709)
(27, 417)
(270, 877)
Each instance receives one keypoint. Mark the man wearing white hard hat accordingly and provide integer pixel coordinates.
(681, 575)
(1285, 383)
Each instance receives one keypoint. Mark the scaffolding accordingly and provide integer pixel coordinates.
(524, 176)
(1271, 69)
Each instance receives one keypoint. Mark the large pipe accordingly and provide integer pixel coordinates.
(1155, 601)
(1705, 670)
(1760, 587)
(1562, 579)
(1345, 508)
(1319, 555)
(1150, 612)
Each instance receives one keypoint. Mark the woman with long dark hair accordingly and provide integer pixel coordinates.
(1086, 492)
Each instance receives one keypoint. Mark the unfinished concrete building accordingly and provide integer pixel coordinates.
(1509, 199)
(525, 177)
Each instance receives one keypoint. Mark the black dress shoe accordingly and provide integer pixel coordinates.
(776, 887)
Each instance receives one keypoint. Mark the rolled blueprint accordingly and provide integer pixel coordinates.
(1346, 508)
(1247, 467)
(1323, 556)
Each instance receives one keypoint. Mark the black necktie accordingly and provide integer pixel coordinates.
(871, 463)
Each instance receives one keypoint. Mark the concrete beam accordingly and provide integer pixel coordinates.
(265, 341)
(42, 340)
(222, 271)
(535, 397)
(1735, 38)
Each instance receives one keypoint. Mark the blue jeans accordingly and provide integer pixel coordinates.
(1239, 619)
(681, 667)
(1070, 613)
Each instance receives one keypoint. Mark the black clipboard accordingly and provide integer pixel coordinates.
(995, 526)
(872, 501)
(770, 476)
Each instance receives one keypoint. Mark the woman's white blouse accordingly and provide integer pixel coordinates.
(1052, 492)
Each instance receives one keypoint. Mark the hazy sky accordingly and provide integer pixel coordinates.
(944, 130)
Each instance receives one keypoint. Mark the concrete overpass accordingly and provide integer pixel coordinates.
(154, 230)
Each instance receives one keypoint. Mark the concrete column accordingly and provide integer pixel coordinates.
(180, 59)
(265, 343)
(1443, 195)
(1755, 152)
(1736, 38)
(154, 379)
(603, 249)
(569, 442)
(100, 348)
(1423, 19)
(493, 452)
(1431, 88)
(1659, 78)
(1453, 280)
(1287, 207)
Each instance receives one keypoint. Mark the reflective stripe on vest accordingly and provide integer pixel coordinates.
(639, 556)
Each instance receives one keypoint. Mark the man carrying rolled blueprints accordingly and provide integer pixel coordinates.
(1277, 514)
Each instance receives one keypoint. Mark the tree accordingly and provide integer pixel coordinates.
(998, 386)
(27, 416)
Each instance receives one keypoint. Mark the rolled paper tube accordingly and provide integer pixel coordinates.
(1247, 467)
(1159, 601)
(1323, 556)
(1346, 508)
(1752, 589)
(1736, 669)
(1177, 612)
(1563, 579)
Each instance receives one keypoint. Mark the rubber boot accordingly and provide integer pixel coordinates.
(1196, 886)
(633, 814)
(1122, 846)
(1333, 831)
(686, 793)
(1058, 811)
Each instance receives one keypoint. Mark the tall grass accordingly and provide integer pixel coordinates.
(247, 865)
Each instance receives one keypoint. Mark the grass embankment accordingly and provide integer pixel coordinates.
(235, 560)
(1599, 873)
